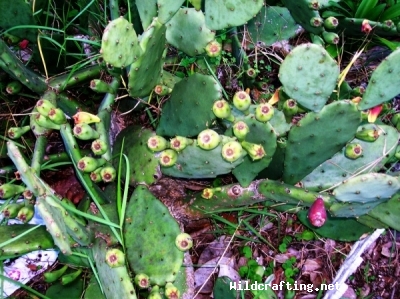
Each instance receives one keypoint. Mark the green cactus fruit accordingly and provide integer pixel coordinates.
(108, 174)
(369, 135)
(188, 32)
(213, 49)
(184, 242)
(314, 4)
(115, 258)
(171, 291)
(240, 130)
(208, 139)
(207, 193)
(89, 164)
(84, 131)
(264, 112)
(255, 151)
(45, 122)
(157, 143)
(14, 87)
(331, 23)
(241, 100)
(99, 147)
(155, 293)
(290, 108)
(44, 106)
(26, 213)
(95, 175)
(17, 132)
(353, 151)
(71, 277)
(251, 73)
(331, 37)
(168, 157)
(57, 116)
(83, 117)
(232, 151)
(9, 190)
(119, 44)
(162, 90)
(316, 22)
(179, 143)
(52, 276)
(310, 86)
(224, 14)
(142, 281)
(222, 109)
(100, 86)
(11, 210)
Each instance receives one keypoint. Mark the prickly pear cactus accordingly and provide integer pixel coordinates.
(187, 31)
(147, 10)
(143, 164)
(167, 9)
(383, 84)
(388, 212)
(317, 137)
(152, 251)
(271, 24)
(188, 111)
(119, 44)
(308, 75)
(222, 14)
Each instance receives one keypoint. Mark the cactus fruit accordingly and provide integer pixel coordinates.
(11, 210)
(9, 190)
(70, 277)
(255, 151)
(162, 90)
(179, 143)
(222, 109)
(17, 132)
(45, 122)
(85, 132)
(115, 258)
(57, 116)
(331, 23)
(184, 242)
(207, 193)
(231, 151)
(157, 143)
(168, 157)
(89, 164)
(213, 49)
(155, 293)
(208, 139)
(95, 175)
(369, 135)
(171, 291)
(142, 281)
(317, 213)
(353, 151)
(240, 130)
(331, 37)
(108, 174)
(52, 276)
(241, 100)
(26, 213)
(99, 147)
(100, 86)
(264, 112)
(44, 106)
(83, 117)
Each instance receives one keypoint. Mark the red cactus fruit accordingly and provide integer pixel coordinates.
(317, 213)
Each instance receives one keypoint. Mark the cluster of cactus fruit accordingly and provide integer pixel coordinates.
(325, 167)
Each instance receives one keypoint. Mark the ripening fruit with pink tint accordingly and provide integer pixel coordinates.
(317, 213)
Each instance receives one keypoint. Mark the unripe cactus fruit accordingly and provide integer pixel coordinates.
(26, 213)
(242, 100)
(89, 164)
(45, 122)
(43, 106)
(11, 210)
(157, 143)
(142, 281)
(99, 147)
(251, 73)
(231, 151)
(213, 49)
(353, 151)
(179, 143)
(331, 37)
(95, 175)
(240, 130)
(85, 117)
(374, 112)
(264, 112)
(315, 5)
(208, 139)
(168, 157)
(57, 116)
(85, 132)
(316, 22)
(317, 213)
(162, 90)
(108, 174)
(184, 242)
(331, 23)
(52, 276)
(222, 109)
(115, 258)
(10, 190)
(155, 293)
(369, 135)
(207, 193)
(17, 132)
(171, 291)
(255, 151)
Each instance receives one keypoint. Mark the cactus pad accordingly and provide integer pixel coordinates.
(167, 9)
(119, 44)
(147, 11)
(152, 251)
(188, 111)
(308, 75)
(388, 212)
(317, 137)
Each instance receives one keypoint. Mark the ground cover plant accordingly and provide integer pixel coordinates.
(128, 123)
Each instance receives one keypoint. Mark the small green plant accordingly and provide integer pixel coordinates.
(290, 269)
(285, 242)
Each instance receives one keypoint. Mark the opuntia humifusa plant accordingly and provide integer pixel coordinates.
(231, 151)
(241, 100)
(208, 139)
(353, 151)
(168, 157)
(157, 143)
(264, 112)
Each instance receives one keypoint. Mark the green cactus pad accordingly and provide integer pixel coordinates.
(354, 209)
(338, 168)
(384, 82)
(367, 188)
(146, 71)
(116, 282)
(150, 231)
(187, 31)
(371, 221)
(167, 9)
(188, 111)
(143, 164)
(317, 137)
(147, 11)
(260, 133)
(302, 14)
(119, 44)
(38, 239)
(308, 75)
(340, 229)
(270, 25)
(388, 212)
(195, 162)
(221, 14)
